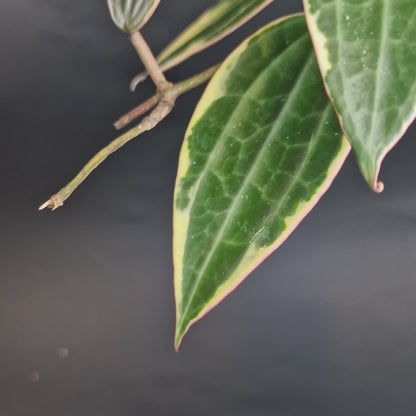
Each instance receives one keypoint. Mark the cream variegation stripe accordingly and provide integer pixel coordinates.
(206, 20)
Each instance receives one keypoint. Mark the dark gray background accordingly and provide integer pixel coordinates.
(326, 326)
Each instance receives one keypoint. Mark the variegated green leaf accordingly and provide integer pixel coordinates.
(131, 15)
(212, 26)
(262, 147)
(366, 51)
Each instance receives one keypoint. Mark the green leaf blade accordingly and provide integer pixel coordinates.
(262, 147)
(367, 56)
(131, 15)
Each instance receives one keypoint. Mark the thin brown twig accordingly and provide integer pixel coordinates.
(148, 123)
(163, 108)
(138, 111)
(149, 61)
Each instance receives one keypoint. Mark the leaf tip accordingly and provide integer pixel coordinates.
(179, 334)
(378, 187)
(182, 327)
(370, 167)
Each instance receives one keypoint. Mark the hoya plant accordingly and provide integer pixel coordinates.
(272, 129)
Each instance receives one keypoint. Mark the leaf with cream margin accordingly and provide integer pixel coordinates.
(262, 147)
(216, 23)
(366, 51)
(131, 15)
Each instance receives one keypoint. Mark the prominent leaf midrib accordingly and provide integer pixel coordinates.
(379, 69)
(371, 141)
(188, 37)
(224, 20)
(339, 15)
(217, 147)
(254, 167)
(378, 80)
(276, 209)
(227, 22)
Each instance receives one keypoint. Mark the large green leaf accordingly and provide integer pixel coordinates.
(131, 15)
(212, 26)
(366, 51)
(262, 147)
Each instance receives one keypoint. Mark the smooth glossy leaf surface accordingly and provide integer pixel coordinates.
(212, 26)
(131, 15)
(366, 51)
(262, 147)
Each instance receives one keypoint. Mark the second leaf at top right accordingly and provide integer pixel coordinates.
(366, 51)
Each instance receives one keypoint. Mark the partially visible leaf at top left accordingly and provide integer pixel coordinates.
(131, 15)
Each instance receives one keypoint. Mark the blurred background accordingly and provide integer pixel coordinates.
(325, 326)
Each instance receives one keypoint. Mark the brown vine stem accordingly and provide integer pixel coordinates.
(149, 61)
(136, 112)
(163, 108)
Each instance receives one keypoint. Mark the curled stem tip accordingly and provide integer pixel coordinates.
(138, 79)
(379, 187)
